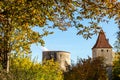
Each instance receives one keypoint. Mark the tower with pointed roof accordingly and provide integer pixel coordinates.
(102, 48)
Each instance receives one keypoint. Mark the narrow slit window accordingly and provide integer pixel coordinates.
(102, 50)
(107, 50)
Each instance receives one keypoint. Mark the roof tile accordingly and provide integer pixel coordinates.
(102, 42)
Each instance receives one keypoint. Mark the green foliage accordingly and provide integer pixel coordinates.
(87, 69)
(116, 67)
(22, 68)
(117, 43)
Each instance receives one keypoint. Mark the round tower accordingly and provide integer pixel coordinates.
(62, 57)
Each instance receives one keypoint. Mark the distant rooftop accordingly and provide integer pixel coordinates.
(102, 42)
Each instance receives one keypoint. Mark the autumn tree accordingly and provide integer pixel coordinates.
(87, 69)
(19, 17)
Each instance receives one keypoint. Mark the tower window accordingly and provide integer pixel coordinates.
(102, 50)
(60, 55)
(107, 50)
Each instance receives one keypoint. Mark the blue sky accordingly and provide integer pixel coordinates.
(75, 44)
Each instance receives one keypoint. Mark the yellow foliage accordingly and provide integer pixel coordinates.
(22, 68)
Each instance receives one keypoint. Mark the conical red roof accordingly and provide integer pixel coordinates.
(102, 42)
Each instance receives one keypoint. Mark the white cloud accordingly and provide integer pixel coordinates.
(44, 48)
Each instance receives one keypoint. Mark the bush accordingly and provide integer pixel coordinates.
(87, 69)
(22, 68)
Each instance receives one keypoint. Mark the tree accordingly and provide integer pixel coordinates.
(117, 43)
(22, 68)
(116, 67)
(17, 20)
(19, 17)
(87, 69)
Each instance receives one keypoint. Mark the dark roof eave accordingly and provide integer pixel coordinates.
(101, 47)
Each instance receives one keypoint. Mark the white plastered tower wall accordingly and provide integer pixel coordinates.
(106, 53)
(102, 48)
(62, 57)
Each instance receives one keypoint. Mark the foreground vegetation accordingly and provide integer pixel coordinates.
(116, 67)
(87, 69)
(22, 68)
